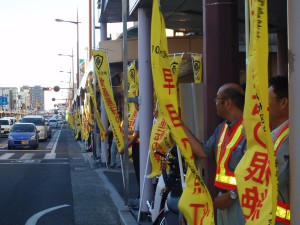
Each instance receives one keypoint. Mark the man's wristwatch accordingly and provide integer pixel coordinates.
(233, 194)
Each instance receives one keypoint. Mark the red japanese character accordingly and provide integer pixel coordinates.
(168, 78)
(259, 168)
(252, 200)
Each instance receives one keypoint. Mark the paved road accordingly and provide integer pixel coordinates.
(53, 185)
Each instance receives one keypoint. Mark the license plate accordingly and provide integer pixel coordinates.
(24, 142)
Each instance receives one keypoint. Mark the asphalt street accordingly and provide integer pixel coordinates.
(61, 184)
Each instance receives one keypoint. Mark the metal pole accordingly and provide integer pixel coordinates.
(73, 78)
(294, 108)
(78, 99)
(78, 69)
(104, 159)
(145, 101)
(125, 78)
(94, 29)
(246, 30)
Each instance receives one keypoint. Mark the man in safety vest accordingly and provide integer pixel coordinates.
(227, 145)
(279, 123)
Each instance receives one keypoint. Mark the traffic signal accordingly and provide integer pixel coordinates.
(47, 88)
(56, 88)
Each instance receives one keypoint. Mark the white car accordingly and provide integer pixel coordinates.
(53, 122)
(40, 124)
(12, 118)
(5, 125)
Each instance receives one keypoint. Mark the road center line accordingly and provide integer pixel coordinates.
(56, 141)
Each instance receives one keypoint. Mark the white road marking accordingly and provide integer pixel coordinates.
(6, 155)
(50, 156)
(25, 150)
(32, 220)
(27, 156)
(53, 143)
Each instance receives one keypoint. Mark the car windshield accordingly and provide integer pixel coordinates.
(22, 128)
(36, 121)
(52, 121)
(4, 122)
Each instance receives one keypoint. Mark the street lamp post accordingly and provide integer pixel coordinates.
(73, 78)
(77, 23)
(78, 69)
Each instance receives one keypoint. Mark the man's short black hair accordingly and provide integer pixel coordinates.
(280, 86)
(236, 96)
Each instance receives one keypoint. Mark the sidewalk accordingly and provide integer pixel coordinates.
(114, 182)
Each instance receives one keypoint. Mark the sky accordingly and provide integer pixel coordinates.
(31, 40)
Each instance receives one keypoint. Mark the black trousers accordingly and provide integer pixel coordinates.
(136, 160)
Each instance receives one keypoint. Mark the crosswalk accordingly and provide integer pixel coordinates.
(46, 153)
(27, 155)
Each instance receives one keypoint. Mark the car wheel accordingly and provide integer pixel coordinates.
(9, 147)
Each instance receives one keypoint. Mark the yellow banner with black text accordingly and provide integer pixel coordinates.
(102, 71)
(98, 118)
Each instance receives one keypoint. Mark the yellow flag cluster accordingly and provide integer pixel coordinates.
(256, 173)
(77, 123)
(195, 197)
(71, 120)
(102, 71)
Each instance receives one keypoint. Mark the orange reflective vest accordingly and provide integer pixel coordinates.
(225, 178)
(284, 132)
(283, 213)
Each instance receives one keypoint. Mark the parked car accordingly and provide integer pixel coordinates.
(23, 135)
(40, 124)
(5, 125)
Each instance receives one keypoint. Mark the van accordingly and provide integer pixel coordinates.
(5, 125)
(40, 124)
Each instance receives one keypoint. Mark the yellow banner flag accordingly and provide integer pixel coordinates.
(71, 120)
(160, 135)
(166, 92)
(197, 67)
(84, 127)
(133, 91)
(133, 84)
(175, 61)
(78, 123)
(102, 71)
(98, 118)
(159, 141)
(256, 173)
